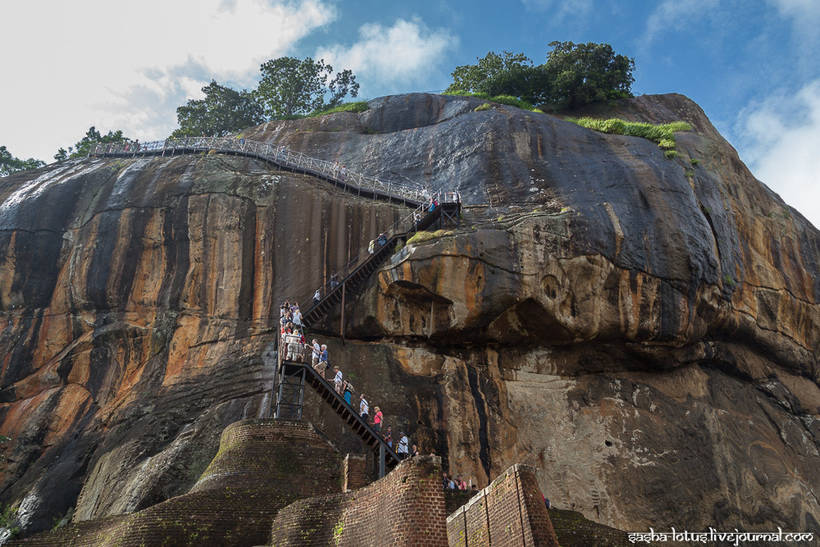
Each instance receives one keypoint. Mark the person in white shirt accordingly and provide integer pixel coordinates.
(317, 350)
(363, 407)
(404, 446)
(337, 380)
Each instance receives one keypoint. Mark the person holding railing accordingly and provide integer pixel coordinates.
(404, 446)
(348, 392)
(382, 240)
(363, 407)
(317, 352)
(338, 381)
(294, 351)
(323, 360)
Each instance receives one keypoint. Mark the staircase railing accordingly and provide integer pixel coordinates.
(404, 225)
(413, 193)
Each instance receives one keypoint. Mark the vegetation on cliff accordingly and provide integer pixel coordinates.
(292, 87)
(10, 164)
(662, 133)
(222, 111)
(83, 146)
(573, 75)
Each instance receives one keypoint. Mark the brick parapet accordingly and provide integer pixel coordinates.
(510, 511)
(406, 507)
(355, 472)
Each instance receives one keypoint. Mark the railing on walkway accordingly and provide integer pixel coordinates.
(411, 193)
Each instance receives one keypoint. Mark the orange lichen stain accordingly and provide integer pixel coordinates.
(74, 400)
(81, 368)
(179, 350)
(8, 266)
(261, 280)
(53, 337)
(18, 413)
(474, 282)
(607, 408)
(150, 270)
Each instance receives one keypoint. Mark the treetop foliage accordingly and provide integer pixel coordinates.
(222, 111)
(292, 87)
(573, 75)
(92, 137)
(588, 73)
(288, 88)
(10, 164)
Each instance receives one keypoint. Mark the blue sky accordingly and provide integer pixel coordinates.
(750, 65)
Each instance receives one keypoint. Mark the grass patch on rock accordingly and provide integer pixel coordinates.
(663, 133)
(508, 100)
(419, 237)
(358, 106)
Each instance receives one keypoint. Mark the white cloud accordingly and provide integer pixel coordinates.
(676, 14)
(806, 13)
(68, 65)
(805, 20)
(403, 52)
(779, 139)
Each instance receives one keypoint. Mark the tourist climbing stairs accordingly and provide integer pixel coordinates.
(292, 378)
(357, 272)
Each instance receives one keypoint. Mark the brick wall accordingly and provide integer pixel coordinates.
(574, 530)
(453, 499)
(406, 507)
(355, 472)
(510, 511)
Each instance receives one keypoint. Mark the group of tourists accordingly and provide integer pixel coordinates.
(456, 483)
(295, 348)
(381, 241)
(292, 332)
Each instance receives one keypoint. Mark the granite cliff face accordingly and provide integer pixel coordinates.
(643, 330)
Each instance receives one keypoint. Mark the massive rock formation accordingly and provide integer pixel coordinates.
(643, 330)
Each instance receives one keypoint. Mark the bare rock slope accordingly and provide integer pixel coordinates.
(643, 330)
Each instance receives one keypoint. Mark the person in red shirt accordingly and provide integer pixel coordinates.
(377, 420)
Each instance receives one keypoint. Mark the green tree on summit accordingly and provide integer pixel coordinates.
(580, 74)
(83, 146)
(10, 164)
(573, 75)
(292, 87)
(507, 73)
(222, 111)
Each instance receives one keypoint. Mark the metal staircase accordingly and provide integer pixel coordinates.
(292, 377)
(354, 277)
